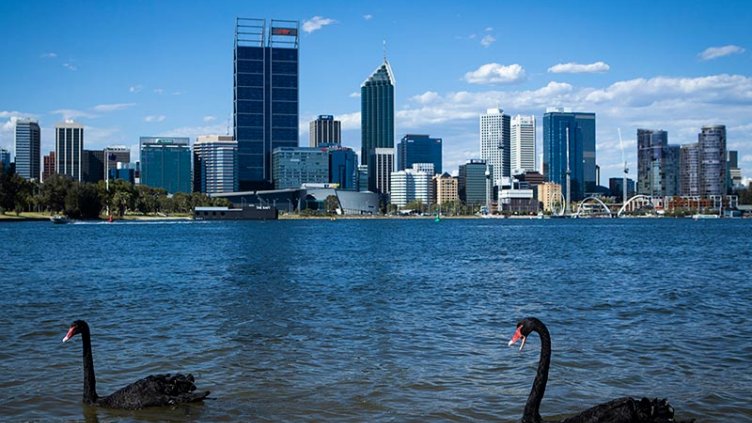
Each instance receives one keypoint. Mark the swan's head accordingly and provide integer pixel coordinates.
(76, 327)
(524, 327)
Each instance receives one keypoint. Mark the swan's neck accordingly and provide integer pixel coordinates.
(90, 383)
(532, 407)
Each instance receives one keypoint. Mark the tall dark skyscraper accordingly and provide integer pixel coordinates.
(377, 111)
(28, 154)
(419, 149)
(265, 96)
(581, 150)
(711, 143)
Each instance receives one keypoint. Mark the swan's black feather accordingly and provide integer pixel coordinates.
(154, 391)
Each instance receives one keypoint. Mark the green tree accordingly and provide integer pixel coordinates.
(54, 191)
(331, 203)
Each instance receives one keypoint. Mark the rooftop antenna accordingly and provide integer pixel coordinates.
(228, 126)
(384, 42)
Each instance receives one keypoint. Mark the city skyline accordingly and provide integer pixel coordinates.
(123, 81)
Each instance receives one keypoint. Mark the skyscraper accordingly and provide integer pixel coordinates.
(69, 149)
(522, 155)
(215, 164)
(4, 160)
(166, 163)
(689, 164)
(92, 166)
(495, 141)
(325, 130)
(377, 111)
(472, 182)
(295, 166)
(28, 148)
(265, 96)
(657, 164)
(343, 167)
(712, 149)
(581, 153)
(419, 149)
(412, 184)
(48, 166)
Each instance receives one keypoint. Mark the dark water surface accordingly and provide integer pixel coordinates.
(379, 320)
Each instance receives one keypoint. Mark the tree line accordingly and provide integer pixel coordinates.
(84, 200)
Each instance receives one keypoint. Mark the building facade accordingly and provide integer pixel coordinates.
(166, 163)
(69, 149)
(616, 186)
(215, 164)
(523, 150)
(446, 189)
(581, 129)
(689, 163)
(550, 196)
(380, 168)
(412, 185)
(415, 148)
(343, 167)
(265, 96)
(92, 166)
(362, 178)
(377, 112)
(495, 143)
(28, 148)
(472, 182)
(116, 154)
(294, 166)
(325, 130)
(711, 142)
(4, 160)
(657, 164)
(734, 178)
(48, 165)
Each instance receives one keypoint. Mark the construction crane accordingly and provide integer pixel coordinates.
(626, 169)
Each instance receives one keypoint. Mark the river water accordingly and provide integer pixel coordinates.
(378, 320)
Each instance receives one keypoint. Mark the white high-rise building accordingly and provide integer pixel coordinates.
(495, 143)
(412, 184)
(523, 144)
(69, 148)
(215, 164)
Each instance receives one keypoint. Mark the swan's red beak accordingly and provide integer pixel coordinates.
(516, 337)
(69, 335)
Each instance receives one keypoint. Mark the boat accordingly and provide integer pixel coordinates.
(705, 216)
(59, 219)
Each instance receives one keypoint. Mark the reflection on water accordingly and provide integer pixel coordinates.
(378, 320)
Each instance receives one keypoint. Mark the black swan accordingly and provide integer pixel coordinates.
(621, 410)
(151, 391)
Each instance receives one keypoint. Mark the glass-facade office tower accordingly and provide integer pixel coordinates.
(495, 137)
(265, 96)
(92, 166)
(689, 164)
(215, 164)
(325, 130)
(616, 186)
(377, 112)
(343, 167)
(295, 166)
(69, 149)
(711, 143)
(657, 164)
(4, 160)
(471, 185)
(522, 155)
(166, 163)
(28, 148)
(419, 149)
(581, 150)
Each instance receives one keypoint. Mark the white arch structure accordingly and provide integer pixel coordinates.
(597, 200)
(642, 199)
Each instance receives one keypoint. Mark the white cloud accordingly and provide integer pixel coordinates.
(355, 94)
(316, 23)
(209, 118)
(747, 158)
(368, 17)
(104, 108)
(135, 88)
(489, 29)
(571, 67)
(177, 93)
(70, 66)
(494, 73)
(487, 40)
(72, 114)
(49, 55)
(155, 118)
(711, 53)
(158, 91)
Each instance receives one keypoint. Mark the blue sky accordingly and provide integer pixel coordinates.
(126, 69)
